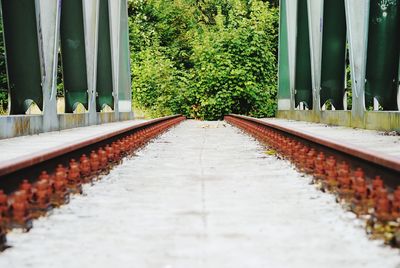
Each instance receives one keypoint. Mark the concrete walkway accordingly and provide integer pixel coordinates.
(202, 195)
(377, 141)
(19, 147)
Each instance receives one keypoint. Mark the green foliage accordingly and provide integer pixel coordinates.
(3, 76)
(201, 58)
(156, 83)
(348, 83)
(204, 58)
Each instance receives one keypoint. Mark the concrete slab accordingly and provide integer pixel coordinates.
(375, 120)
(18, 147)
(378, 141)
(22, 125)
(202, 195)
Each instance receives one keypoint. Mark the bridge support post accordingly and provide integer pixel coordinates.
(22, 55)
(398, 92)
(115, 23)
(284, 90)
(382, 66)
(287, 53)
(104, 83)
(91, 23)
(315, 19)
(124, 87)
(49, 21)
(121, 56)
(303, 75)
(333, 60)
(357, 15)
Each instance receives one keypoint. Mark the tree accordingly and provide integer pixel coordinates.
(204, 58)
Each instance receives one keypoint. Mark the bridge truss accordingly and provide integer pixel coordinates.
(92, 37)
(319, 40)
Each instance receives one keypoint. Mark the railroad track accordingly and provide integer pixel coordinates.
(364, 182)
(33, 185)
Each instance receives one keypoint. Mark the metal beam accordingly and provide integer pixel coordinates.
(291, 15)
(91, 22)
(398, 88)
(22, 54)
(383, 43)
(333, 53)
(104, 82)
(303, 79)
(357, 14)
(315, 19)
(284, 93)
(115, 25)
(73, 52)
(49, 22)
(124, 70)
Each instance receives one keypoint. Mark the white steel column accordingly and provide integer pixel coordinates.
(115, 25)
(120, 56)
(91, 23)
(48, 13)
(315, 24)
(291, 9)
(357, 15)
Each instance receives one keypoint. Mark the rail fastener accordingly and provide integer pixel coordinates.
(52, 187)
(351, 174)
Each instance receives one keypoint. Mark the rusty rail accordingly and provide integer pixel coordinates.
(374, 157)
(363, 181)
(53, 175)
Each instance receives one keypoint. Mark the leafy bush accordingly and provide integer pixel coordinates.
(200, 58)
(3, 76)
(204, 59)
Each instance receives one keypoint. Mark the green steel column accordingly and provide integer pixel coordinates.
(73, 55)
(383, 51)
(22, 54)
(333, 53)
(124, 84)
(303, 82)
(284, 78)
(104, 85)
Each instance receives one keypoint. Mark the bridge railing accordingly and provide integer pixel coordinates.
(325, 43)
(93, 39)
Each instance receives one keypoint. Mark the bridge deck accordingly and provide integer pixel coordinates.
(202, 195)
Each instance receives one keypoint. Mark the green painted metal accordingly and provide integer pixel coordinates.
(104, 85)
(303, 83)
(284, 77)
(22, 54)
(383, 51)
(73, 55)
(333, 53)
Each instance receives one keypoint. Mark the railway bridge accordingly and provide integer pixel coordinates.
(95, 186)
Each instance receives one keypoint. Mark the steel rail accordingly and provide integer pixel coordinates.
(53, 175)
(363, 181)
(13, 165)
(374, 157)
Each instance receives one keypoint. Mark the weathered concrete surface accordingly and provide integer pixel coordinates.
(202, 195)
(377, 141)
(18, 147)
(375, 120)
(23, 125)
